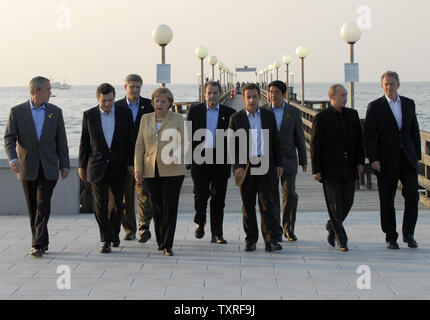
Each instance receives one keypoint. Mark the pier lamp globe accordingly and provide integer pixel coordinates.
(201, 53)
(302, 53)
(276, 65)
(287, 60)
(270, 67)
(350, 33)
(162, 35)
(213, 61)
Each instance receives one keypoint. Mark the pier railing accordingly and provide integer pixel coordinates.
(424, 169)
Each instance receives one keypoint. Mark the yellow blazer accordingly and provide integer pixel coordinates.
(160, 146)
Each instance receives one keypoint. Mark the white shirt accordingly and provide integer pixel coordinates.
(396, 108)
(108, 124)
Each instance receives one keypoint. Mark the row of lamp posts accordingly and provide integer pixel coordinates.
(162, 35)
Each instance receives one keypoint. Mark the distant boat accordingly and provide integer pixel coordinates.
(60, 86)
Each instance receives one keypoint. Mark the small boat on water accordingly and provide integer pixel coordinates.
(59, 85)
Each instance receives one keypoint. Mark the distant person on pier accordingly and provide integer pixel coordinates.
(337, 156)
(290, 128)
(138, 106)
(209, 177)
(36, 129)
(105, 155)
(262, 169)
(159, 163)
(392, 139)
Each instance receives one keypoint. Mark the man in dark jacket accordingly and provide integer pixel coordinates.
(337, 157)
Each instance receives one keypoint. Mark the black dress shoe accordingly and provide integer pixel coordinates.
(44, 249)
(392, 245)
(273, 246)
(218, 240)
(36, 252)
(200, 231)
(145, 236)
(105, 248)
(130, 236)
(116, 244)
(331, 239)
(250, 247)
(290, 236)
(410, 240)
(168, 252)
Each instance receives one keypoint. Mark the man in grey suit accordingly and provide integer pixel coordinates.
(290, 128)
(36, 129)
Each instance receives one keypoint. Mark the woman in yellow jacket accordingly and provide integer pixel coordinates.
(159, 162)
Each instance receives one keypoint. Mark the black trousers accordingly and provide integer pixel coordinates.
(289, 204)
(144, 206)
(339, 198)
(164, 193)
(107, 196)
(209, 183)
(387, 186)
(38, 194)
(261, 187)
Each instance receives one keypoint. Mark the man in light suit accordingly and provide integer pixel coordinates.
(105, 154)
(138, 106)
(392, 139)
(36, 127)
(292, 139)
(210, 179)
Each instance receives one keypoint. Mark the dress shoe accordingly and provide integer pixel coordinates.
(410, 240)
(44, 249)
(130, 236)
(145, 236)
(36, 252)
(290, 236)
(105, 248)
(343, 248)
(116, 244)
(250, 247)
(200, 231)
(168, 252)
(331, 239)
(273, 246)
(392, 245)
(218, 240)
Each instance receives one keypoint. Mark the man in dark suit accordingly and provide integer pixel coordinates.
(290, 128)
(392, 138)
(138, 106)
(210, 177)
(337, 156)
(105, 154)
(261, 169)
(36, 129)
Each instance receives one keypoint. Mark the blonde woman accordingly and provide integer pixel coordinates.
(159, 164)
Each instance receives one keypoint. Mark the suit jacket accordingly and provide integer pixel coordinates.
(383, 139)
(94, 152)
(239, 120)
(327, 143)
(197, 114)
(292, 138)
(51, 151)
(150, 145)
(145, 106)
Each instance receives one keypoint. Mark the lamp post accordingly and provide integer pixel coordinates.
(287, 60)
(213, 61)
(276, 65)
(271, 67)
(201, 53)
(219, 65)
(302, 53)
(224, 69)
(351, 34)
(162, 35)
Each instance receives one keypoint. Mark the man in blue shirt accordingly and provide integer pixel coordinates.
(36, 129)
(138, 106)
(209, 176)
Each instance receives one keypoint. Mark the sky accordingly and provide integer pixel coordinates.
(90, 42)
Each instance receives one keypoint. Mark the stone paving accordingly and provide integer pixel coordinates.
(306, 269)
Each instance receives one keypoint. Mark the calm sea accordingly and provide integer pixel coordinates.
(80, 98)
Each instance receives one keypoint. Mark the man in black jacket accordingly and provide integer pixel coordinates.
(210, 177)
(264, 161)
(105, 155)
(393, 144)
(337, 157)
(138, 106)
